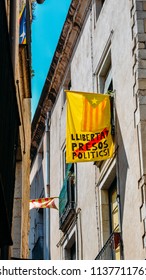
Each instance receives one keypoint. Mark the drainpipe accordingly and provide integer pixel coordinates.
(47, 191)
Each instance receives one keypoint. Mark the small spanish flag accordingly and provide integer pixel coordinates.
(47, 202)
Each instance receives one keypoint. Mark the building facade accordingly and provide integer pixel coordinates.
(16, 129)
(102, 205)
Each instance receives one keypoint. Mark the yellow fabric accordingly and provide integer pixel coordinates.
(88, 128)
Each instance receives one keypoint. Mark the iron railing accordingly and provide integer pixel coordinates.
(68, 214)
(112, 248)
(67, 202)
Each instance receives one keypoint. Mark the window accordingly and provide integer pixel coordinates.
(104, 77)
(105, 85)
(111, 241)
(113, 206)
(67, 196)
(70, 247)
(72, 251)
(65, 165)
(114, 219)
(98, 7)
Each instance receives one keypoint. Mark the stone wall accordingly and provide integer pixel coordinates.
(138, 27)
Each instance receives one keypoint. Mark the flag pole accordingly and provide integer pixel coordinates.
(47, 190)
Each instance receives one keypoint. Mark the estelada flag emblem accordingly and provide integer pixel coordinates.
(96, 112)
(88, 127)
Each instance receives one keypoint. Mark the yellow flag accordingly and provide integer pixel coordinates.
(88, 127)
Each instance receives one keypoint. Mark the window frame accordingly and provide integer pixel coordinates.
(104, 75)
(97, 9)
(71, 238)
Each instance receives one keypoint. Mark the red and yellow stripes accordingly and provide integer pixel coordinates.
(47, 202)
(93, 117)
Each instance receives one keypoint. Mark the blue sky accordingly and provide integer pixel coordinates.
(46, 30)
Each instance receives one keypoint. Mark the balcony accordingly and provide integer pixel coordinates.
(67, 202)
(112, 248)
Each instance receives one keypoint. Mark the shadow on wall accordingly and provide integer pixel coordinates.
(122, 166)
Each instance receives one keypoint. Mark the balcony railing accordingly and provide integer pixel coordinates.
(67, 202)
(112, 248)
(66, 217)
